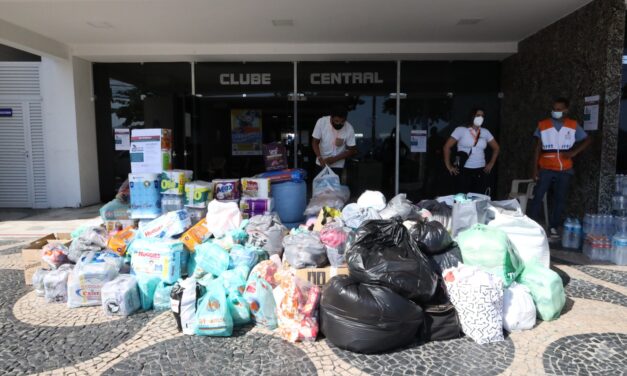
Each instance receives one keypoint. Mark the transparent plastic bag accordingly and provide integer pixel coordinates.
(56, 284)
(303, 250)
(266, 232)
(92, 271)
(93, 238)
(54, 255)
(297, 307)
(335, 236)
(38, 281)
(325, 180)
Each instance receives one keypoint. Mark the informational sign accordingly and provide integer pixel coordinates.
(418, 141)
(591, 113)
(246, 136)
(6, 112)
(122, 138)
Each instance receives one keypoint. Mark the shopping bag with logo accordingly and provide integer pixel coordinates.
(212, 315)
(468, 213)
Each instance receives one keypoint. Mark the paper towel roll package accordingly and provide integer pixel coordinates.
(145, 195)
(251, 206)
(256, 187)
(198, 194)
(226, 189)
(173, 181)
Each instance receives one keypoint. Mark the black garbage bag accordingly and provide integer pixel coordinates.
(440, 212)
(448, 259)
(367, 318)
(384, 254)
(432, 236)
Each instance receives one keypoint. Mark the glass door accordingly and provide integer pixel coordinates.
(238, 107)
(362, 89)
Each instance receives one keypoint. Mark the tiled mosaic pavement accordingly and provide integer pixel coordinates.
(35, 337)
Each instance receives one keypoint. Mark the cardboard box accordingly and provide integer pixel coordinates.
(320, 276)
(31, 254)
(151, 150)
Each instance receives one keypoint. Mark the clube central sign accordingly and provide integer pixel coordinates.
(313, 76)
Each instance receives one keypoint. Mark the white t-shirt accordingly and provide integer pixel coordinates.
(465, 137)
(327, 135)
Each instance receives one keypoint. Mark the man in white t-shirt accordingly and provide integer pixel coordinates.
(333, 141)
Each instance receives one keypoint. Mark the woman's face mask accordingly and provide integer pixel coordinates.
(478, 121)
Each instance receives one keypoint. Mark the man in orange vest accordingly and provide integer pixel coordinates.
(559, 140)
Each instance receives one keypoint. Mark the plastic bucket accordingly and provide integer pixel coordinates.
(290, 200)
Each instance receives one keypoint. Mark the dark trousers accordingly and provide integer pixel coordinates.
(560, 181)
(472, 180)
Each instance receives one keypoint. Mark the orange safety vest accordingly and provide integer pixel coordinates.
(554, 142)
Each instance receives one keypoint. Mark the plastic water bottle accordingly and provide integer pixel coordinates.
(619, 248)
(575, 241)
(568, 227)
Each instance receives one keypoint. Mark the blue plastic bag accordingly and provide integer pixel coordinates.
(247, 256)
(147, 286)
(161, 298)
(212, 314)
(258, 295)
(234, 280)
(212, 258)
(191, 263)
(238, 308)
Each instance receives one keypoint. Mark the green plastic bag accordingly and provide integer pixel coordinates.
(238, 308)
(161, 299)
(547, 290)
(490, 249)
(212, 314)
(211, 258)
(147, 286)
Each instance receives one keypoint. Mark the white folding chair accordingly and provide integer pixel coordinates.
(524, 196)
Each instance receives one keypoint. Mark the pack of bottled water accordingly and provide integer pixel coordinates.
(605, 237)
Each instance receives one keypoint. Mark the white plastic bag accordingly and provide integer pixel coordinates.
(184, 300)
(120, 296)
(354, 215)
(223, 217)
(478, 299)
(400, 206)
(525, 234)
(372, 199)
(519, 311)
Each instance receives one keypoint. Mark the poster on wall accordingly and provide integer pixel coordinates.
(591, 113)
(418, 141)
(246, 134)
(122, 138)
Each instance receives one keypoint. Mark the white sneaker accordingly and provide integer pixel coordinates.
(553, 234)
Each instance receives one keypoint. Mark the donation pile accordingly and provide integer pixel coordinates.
(371, 275)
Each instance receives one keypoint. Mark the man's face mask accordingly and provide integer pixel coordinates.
(337, 124)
